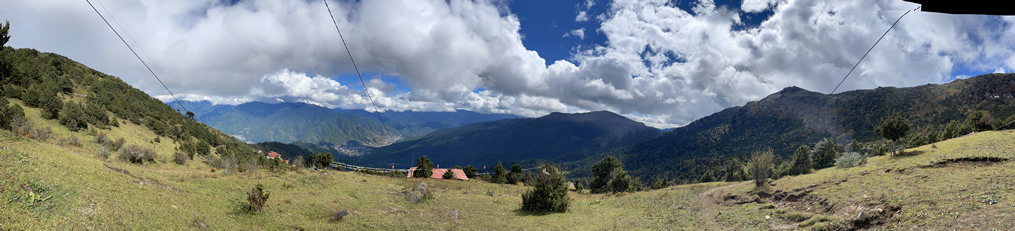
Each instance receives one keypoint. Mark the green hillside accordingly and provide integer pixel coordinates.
(792, 117)
(553, 137)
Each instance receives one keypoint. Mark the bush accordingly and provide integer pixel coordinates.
(69, 141)
(849, 160)
(610, 177)
(21, 126)
(760, 167)
(658, 183)
(579, 186)
(180, 158)
(515, 175)
(9, 113)
(549, 194)
(103, 152)
(257, 199)
(73, 117)
(41, 133)
(137, 154)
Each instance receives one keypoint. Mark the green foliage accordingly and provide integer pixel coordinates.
(825, 152)
(448, 174)
(137, 154)
(849, 160)
(8, 114)
(578, 185)
(471, 172)
(735, 171)
(980, 121)
(802, 161)
(922, 136)
(761, 167)
(257, 199)
(609, 176)
(659, 183)
(320, 160)
(500, 174)
(707, 177)
(424, 168)
(515, 175)
(73, 117)
(954, 129)
(549, 193)
(892, 127)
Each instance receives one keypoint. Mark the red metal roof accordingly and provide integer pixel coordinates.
(438, 173)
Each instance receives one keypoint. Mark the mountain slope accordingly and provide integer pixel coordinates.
(793, 117)
(550, 137)
(326, 128)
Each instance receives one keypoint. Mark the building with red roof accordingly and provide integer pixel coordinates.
(438, 173)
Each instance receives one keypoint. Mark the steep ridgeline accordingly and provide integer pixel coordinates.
(552, 137)
(792, 117)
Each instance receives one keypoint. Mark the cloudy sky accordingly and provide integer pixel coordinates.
(664, 63)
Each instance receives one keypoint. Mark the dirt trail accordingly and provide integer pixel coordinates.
(708, 203)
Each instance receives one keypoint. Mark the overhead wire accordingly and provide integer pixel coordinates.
(869, 50)
(365, 89)
(136, 55)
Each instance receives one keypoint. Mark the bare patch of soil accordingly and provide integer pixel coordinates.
(143, 180)
(977, 161)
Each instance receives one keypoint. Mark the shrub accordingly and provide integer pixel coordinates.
(448, 174)
(515, 175)
(658, 183)
(103, 152)
(424, 168)
(180, 158)
(69, 141)
(549, 194)
(609, 176)
(137, 154)
(9, 113)
(257, 199)
(760, 167)
(735, 171)
(707, 177)
(41, 133)
(849, 160)
(21, 126)
(579, 186)
(73, 117)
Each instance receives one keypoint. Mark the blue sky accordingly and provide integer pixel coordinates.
(664, 63)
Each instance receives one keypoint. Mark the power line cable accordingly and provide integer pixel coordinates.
(136, 55)
(365, 89)
(869, 50)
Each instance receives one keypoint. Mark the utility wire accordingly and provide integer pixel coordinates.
(365, 89)
(869, 50)
(136, 55)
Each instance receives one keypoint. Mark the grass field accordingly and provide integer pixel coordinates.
(47, 185)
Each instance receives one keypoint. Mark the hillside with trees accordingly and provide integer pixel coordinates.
(793, 117)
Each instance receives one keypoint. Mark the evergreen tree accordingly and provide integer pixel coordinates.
(579, 186)
(471, 172)
(980, 121)
(549, 193)
(515, 175)
(825, 152)
(660, 182)
(609, 176)
(424, 168)
(892, 127)
(500, 174)
(802, 161)
(448, 174)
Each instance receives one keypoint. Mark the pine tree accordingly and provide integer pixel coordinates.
(892, 127)
(549, 193)
(471, 172)
(500, 174)
(515, 175)
(825, 152)
(449, 174)
(801, 161)
(424, 168)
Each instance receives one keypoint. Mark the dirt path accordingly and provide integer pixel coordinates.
(708, 203)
